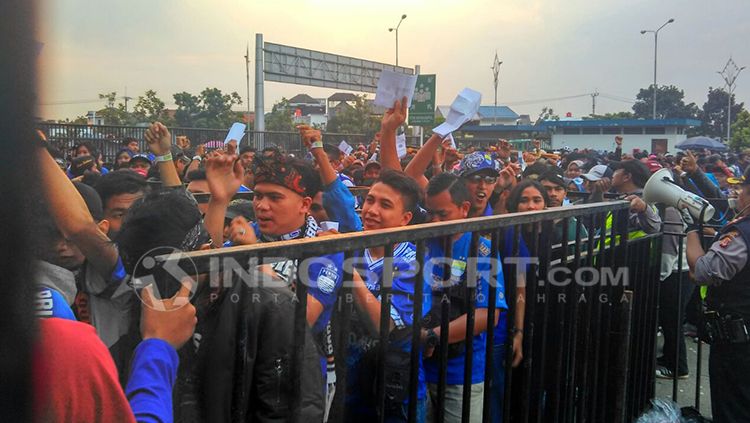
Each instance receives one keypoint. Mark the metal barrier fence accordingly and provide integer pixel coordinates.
(588, 344)
(108, 139)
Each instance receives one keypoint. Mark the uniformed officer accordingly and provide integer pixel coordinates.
(726, 271)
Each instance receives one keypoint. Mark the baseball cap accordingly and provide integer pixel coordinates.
(653, 165)
(81, 164)
(242, 208)
(554, 175)
(477, 162)
(742, 180)
(598, 172)
(141, 157)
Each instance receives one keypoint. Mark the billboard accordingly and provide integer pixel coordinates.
(300, 66)
(422, 110)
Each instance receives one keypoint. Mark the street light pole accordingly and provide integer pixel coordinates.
(396, 29)
(656, 45)
(496, 73)
(730, 74)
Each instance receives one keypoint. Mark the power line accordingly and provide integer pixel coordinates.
(544, 100)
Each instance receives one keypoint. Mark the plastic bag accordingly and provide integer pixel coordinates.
(663, 411)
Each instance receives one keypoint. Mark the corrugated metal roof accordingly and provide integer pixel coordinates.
(502, 112)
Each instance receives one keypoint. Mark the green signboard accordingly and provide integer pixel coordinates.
(422, 110)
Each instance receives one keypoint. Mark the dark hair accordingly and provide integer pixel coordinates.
(455, 186)
(411, 193)
(93, 151)
(515, 194)
(247, 149)
(159, 219)
(92, 200)
(638, 171)
(332, 151)
(120, 182)
(128, 140)
(197, 175)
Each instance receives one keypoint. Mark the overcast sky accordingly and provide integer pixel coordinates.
(549, 49)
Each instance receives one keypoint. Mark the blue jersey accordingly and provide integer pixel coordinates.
(340, 206)
(401, 312)
(50, 303)
(489, 276)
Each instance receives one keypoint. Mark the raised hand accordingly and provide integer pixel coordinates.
(689, 163)
(309, 135)
(232, 147)
(507, 178)
(503, 149)
(241, 233)
(158, 138)
(618, 141)
(395, 117)
(172, 320)
(602, 185)
(224, 174)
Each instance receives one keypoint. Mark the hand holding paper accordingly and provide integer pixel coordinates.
(236, 132)
(394, 86)
(395, 117)
(462, 110)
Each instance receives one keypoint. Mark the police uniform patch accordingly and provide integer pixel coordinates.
(327, 279)
(727, 238)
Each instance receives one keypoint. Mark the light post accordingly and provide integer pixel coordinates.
(730, 74)
(656, 38)
(396, 29)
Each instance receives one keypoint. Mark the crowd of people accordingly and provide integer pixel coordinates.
(204, 350)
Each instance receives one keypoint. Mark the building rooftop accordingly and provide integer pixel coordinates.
(303, 99)
(342, 97)
(598, 123)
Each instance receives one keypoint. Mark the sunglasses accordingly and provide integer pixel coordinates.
(478, 178)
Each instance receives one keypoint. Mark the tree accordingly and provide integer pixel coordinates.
(280, 118)
(210, 109)
(150, 108)
(188, 108)
(616, 115)
(741, 131)
(357, 119)
(546, 114)
(114, 114)
(670, 104)
(714, 113)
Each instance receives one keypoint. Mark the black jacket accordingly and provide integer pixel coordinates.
(242, 370)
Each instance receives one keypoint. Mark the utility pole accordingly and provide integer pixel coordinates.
(729, 74)
(247, 99)
(496, 73)
(594, 95)
(126, 98)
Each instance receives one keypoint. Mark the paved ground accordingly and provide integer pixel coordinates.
(686, 388)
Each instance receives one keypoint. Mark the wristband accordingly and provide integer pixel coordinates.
(199, 158)
(316, 144)
(165, 158)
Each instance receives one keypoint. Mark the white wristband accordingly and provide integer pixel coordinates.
(165, 158)
(199, 158)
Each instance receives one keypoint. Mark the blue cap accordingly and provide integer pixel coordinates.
(478, 161)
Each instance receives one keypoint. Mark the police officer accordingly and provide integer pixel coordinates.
(726, 271)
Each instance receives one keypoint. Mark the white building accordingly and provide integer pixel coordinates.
(655, 136)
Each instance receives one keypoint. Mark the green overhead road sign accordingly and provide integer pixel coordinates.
(422, 110)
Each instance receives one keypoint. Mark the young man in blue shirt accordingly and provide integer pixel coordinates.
(448, 199)
(390, 203)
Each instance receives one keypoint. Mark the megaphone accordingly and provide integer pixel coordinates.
(661, 188)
